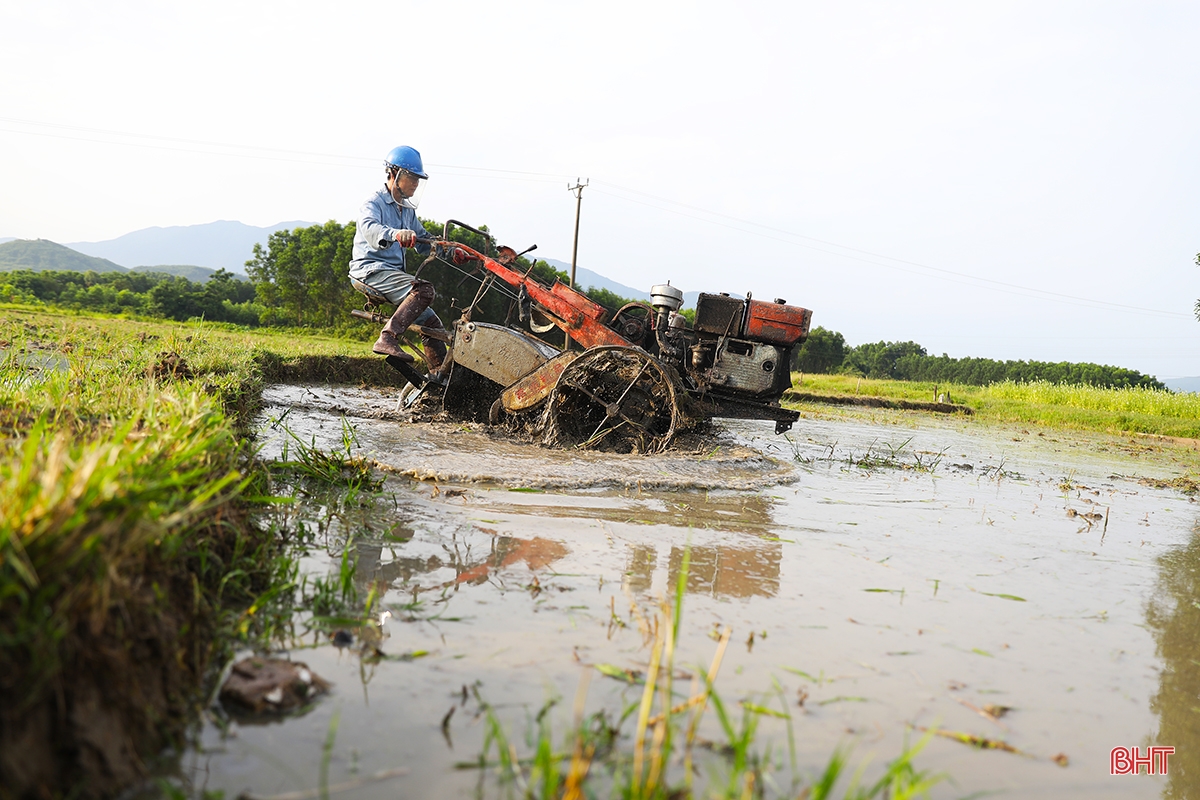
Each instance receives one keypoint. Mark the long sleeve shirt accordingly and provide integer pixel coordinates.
(375, 246)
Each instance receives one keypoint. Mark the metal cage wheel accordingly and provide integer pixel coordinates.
(633, 321)
(619, 399)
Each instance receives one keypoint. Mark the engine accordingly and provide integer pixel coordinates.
(737, 348)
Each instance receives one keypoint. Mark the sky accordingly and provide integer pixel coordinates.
(1016, 180)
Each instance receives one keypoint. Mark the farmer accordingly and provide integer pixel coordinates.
(387, 224)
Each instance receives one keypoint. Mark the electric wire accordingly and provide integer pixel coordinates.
(544, 177)
(1019, 291)
(1013, 288)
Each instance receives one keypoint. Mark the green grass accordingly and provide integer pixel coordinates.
(127, 558)
(668, 759)
(1084, 408)
(869, 387)
(1162, 413)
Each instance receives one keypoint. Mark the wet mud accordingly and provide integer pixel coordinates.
(886, 573)
(464, 452)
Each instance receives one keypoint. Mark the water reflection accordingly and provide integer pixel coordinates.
(727, 570)
(745, 567)
(379, 567)
(1173, 614)
(736, 513)
(723, 571)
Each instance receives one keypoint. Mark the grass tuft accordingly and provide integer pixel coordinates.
(127, 556)
(667, 753)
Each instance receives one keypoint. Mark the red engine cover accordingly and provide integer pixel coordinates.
(779, 324)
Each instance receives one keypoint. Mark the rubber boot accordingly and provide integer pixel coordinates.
(417, 301)
(435, 350)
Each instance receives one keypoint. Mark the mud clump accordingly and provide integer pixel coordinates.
(1186, 485)
(271, 685)
(352, 370)
(171, 366)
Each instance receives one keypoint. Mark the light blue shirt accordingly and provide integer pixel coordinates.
(375, 245)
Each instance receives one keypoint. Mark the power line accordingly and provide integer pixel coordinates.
(157, 137)
(1008, 288)
(1019, 291)
(335, 159)
(365, 161)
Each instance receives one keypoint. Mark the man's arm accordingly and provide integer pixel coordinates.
(408, 218)
(370, 224)
(419, 229)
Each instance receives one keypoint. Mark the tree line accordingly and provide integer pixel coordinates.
(299, 279)
(223, 298)
(826, 352)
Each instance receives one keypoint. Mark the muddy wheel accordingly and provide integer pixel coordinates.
(617, 399)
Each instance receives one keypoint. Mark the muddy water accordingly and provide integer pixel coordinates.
(882, 597)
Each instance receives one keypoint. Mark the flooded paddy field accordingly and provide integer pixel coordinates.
(881, 574)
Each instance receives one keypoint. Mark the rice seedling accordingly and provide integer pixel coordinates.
(1154, 402)
(661, 757)
(1062, 406)
(336, 467)
(327, 753)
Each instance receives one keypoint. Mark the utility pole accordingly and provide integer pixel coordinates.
(577, 190)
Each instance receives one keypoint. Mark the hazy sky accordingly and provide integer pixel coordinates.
(1009, 180)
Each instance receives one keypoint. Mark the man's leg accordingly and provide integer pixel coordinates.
(415, 304)
(435, 350)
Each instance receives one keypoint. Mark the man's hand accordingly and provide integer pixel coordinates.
(406, 238)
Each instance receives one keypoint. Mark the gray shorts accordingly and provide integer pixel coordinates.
(395, 285)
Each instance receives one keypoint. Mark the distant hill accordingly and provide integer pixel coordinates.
(217, 245)
(42, 254)
(594, 280)
(192, 273)
(4, 239)
(1182, 384)
(196, 251)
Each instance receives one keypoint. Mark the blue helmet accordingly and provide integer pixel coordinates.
(407, 159)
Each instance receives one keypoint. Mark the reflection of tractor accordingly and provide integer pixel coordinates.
(643, 373)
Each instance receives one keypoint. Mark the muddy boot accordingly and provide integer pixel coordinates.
(389, 345)
(435, 350)
(417, 301)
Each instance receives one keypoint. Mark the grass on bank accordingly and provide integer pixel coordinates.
(125, 546)
(1117, 411)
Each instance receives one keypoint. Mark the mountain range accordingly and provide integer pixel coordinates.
(217, 245)
(41, 255)
(191, 251)
(594, 280)
(196, 251)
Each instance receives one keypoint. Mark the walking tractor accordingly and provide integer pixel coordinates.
(642, 376)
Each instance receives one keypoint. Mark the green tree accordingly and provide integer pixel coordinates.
(177, 298)
(609, 299)
(880, 359)
(823, 351)
(279, 278)
(325, 251)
